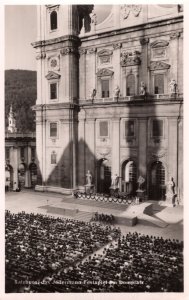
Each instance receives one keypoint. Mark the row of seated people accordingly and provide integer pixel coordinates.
(108, 219)
(38, 245)
(134, 263)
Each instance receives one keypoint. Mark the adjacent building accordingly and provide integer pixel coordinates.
(110, 97)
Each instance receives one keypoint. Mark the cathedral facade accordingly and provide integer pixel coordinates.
(110, 97)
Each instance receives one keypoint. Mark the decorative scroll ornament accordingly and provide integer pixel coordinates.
(82, 51)
(91, 50)
(144, 41)
(68, 50)
(130, 58)
(136, 9)
(93, 18)
(126, 9)
(41, 56)
(174, 35)
(117, 46)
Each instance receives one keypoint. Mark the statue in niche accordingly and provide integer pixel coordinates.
(170, 192)
(116, 92)
(173, 86)
(142, 88)
(89, 178)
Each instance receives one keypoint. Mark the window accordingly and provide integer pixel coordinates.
(53, 91)
(7, 153)
(157, 128)
(53, 158)
(130, 85)
(33, 153)
(105, 88)
(129, 128)
(103, 128)
(53, 20)
(22, 152)
(53, 129)
(159, 84)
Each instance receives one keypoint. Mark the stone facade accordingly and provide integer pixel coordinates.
(133, 134)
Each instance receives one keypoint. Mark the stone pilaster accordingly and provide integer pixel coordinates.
(142, 142)
(82, 73)
(90, 146)
(173, 149)
(116, 146)
(90, 71)
(81, 153)
(116, 64)
(15, 168)
(144, 70)
(174, 54)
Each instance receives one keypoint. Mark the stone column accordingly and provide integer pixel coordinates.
(115, 146)
(82, 73)
(15, 168)
(142, 144)
(27, 174)
(90, 146)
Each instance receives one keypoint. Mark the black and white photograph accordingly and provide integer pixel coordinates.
(93, 139)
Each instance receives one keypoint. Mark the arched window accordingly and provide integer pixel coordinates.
(157, 181)
(130, 172)
(53, 19)
(130, 85)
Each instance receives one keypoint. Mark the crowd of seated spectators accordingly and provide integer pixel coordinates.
(38, 245)
(47, 254)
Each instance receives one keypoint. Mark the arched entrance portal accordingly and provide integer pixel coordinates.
(103, 176)
(33, 174)
(8, 178)
(157, 181)
(129, 177)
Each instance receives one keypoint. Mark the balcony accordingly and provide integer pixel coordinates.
(136, 98)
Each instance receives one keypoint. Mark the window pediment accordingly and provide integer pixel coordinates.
(52, 75)
(159, 65)
(157, 44)
(104, 72)
(104, 52)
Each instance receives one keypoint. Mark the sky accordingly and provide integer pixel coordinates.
(20, 32)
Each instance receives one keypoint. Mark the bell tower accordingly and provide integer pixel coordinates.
(57, 94)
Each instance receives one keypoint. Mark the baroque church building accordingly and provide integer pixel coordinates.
(110, 97)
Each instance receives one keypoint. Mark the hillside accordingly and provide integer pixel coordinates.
(21, 92)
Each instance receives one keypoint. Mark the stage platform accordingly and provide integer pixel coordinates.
(146, 213)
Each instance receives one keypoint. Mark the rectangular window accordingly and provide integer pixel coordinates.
(129, 128)
(33, 152)
(159, 84)
(53, 129)
(105, 88)
(157, 128)
(53, 91)
(22, 152)
(103, 128)
(7, 153)
(53, 158)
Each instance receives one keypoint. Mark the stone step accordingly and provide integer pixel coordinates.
(150, 221)
(70, 213)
